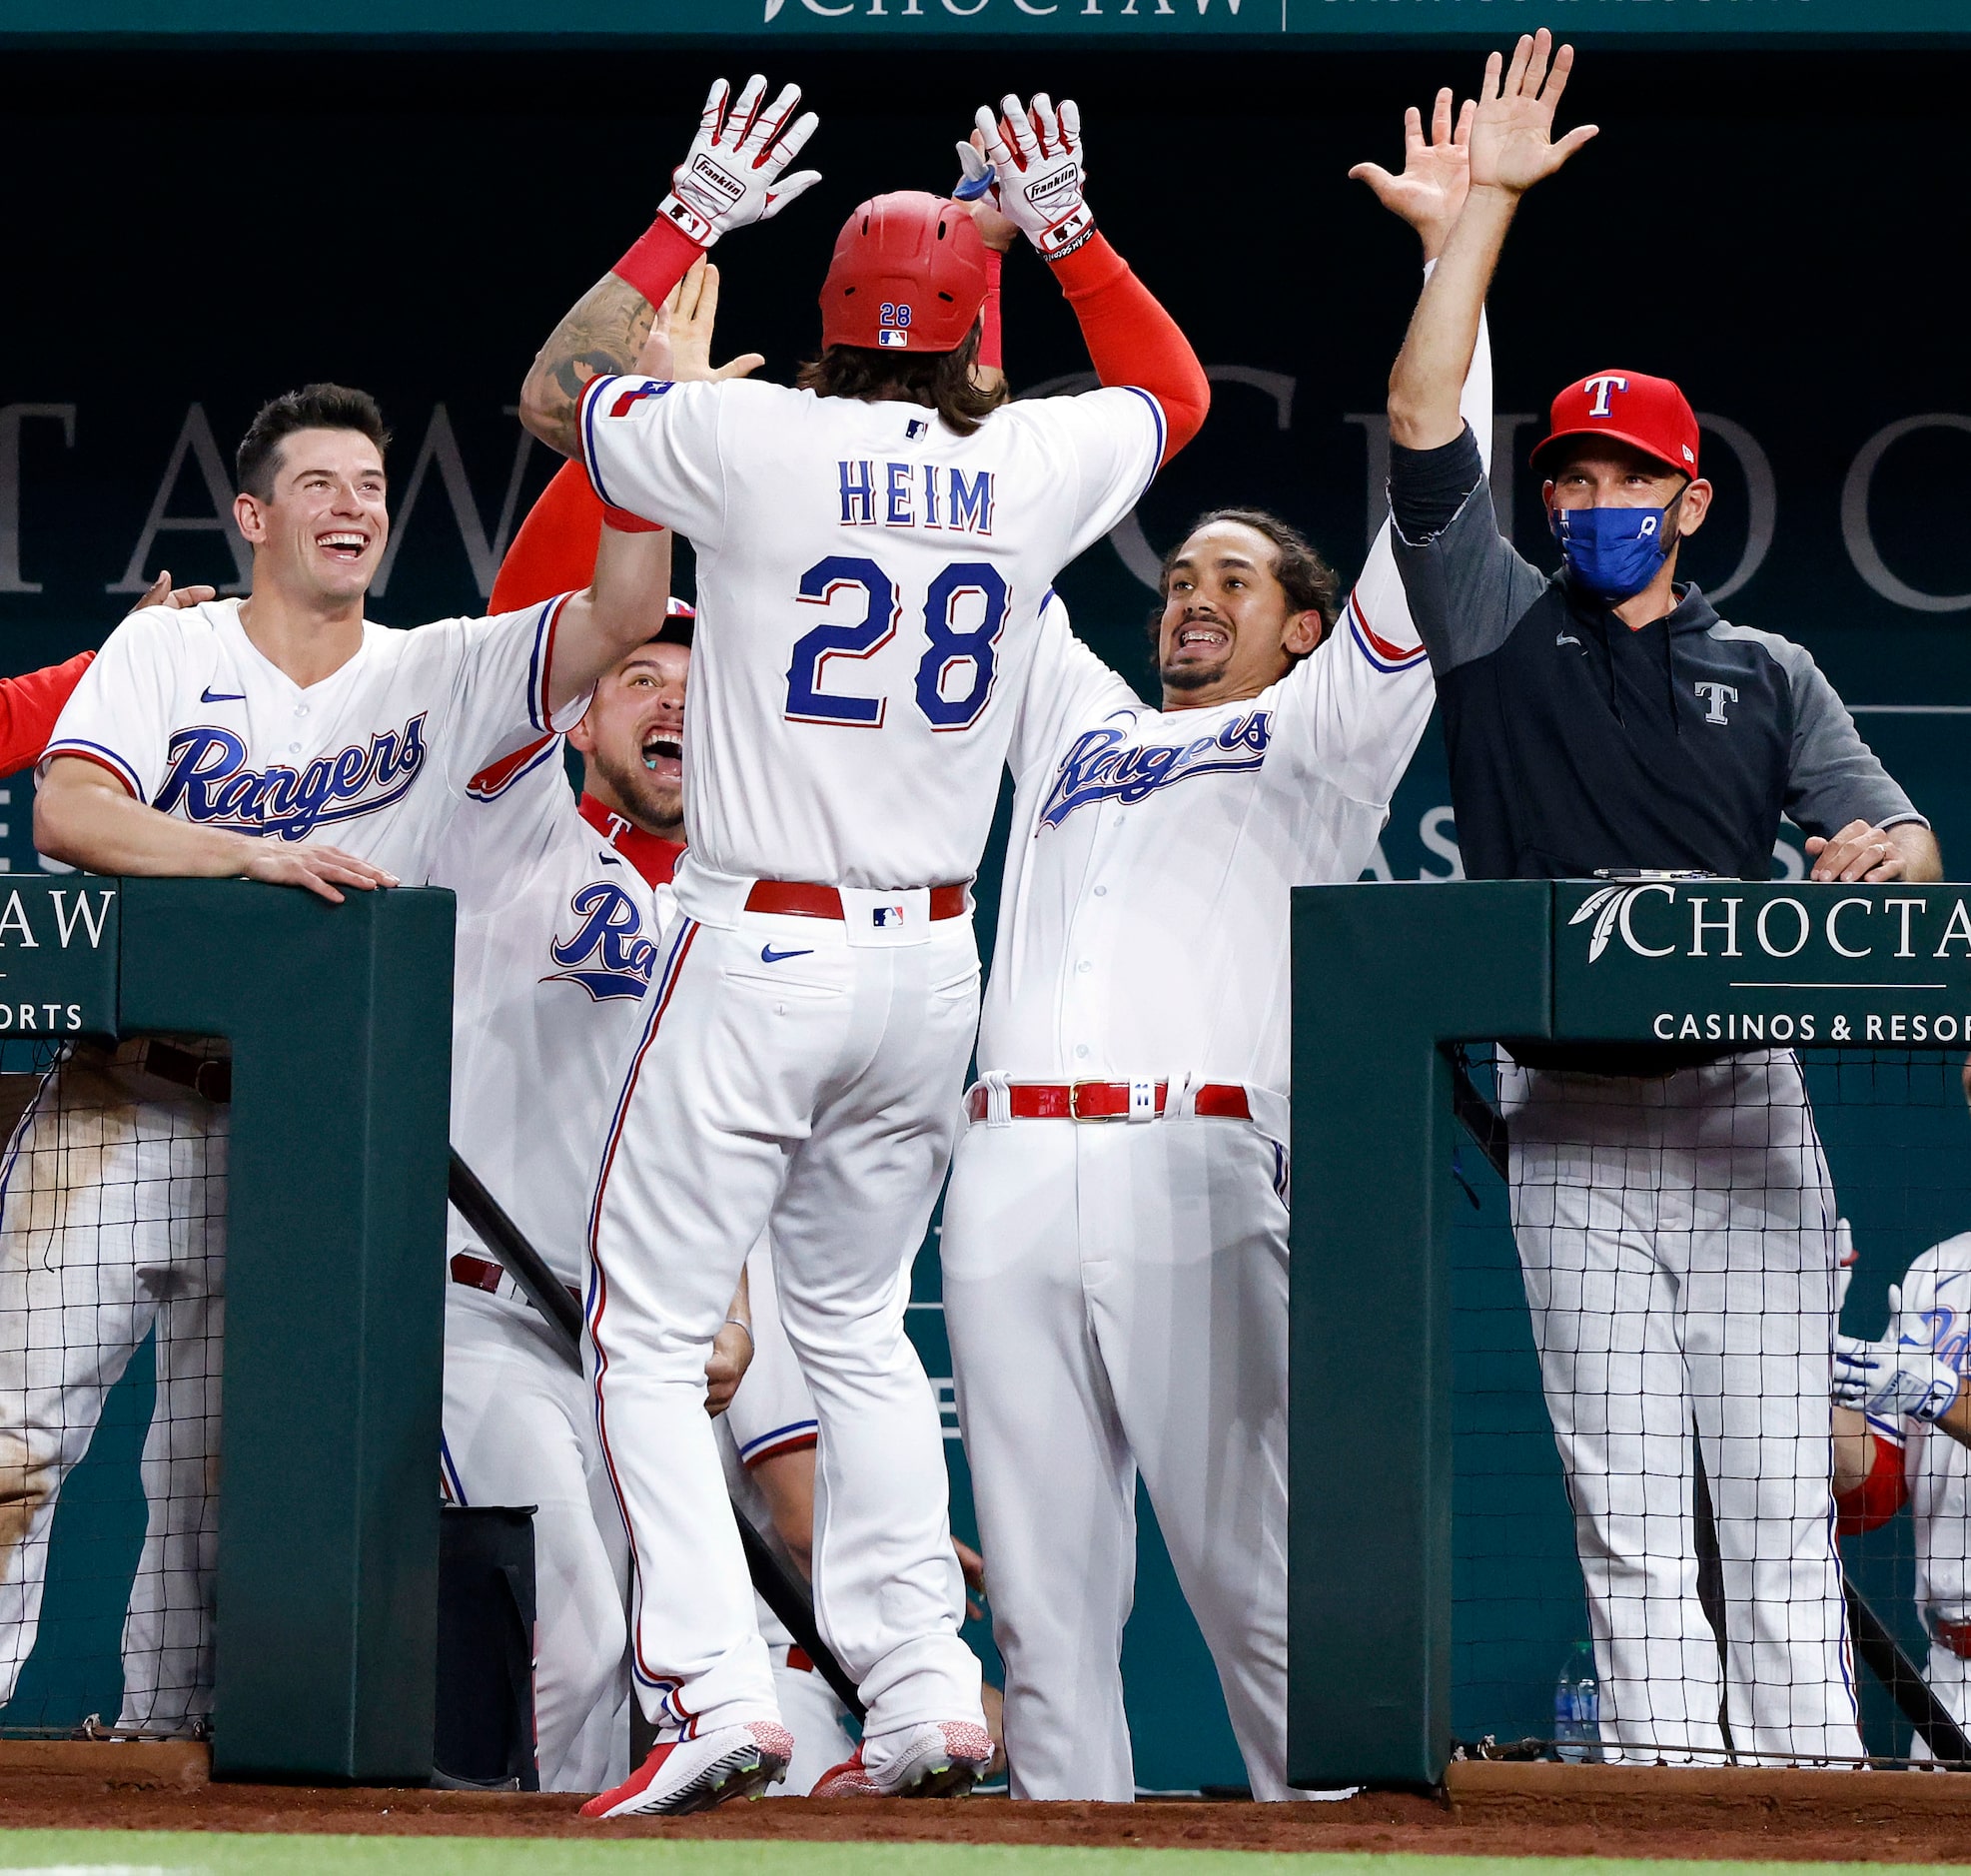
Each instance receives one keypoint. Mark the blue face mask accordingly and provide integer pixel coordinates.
(1612, 552)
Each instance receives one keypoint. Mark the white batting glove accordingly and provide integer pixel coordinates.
(1037, 156)
(1893, 1377)
(731, 175)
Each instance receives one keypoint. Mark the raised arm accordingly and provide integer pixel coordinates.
(623, 604)
(1036, 155)
(731, 175)
(1512, 148)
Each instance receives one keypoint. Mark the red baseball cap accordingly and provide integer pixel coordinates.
(1648, 414)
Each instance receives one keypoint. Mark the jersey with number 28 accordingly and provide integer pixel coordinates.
(869, 586)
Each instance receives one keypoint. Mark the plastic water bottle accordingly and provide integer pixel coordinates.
(1577, 1708)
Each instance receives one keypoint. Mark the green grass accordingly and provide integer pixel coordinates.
(217, 1853)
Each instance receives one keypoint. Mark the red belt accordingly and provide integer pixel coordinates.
(1104, 1101)
(482, 1273)
(1956, 1636)
(792, 898)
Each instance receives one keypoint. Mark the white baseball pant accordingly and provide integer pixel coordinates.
(1116, 1298)
(520, 1428)
(772, 1416)
(1676, 1236)
(114, 1222)
(792, 1077)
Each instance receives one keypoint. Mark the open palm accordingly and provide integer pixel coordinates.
(1513, 143)
(1436, 171)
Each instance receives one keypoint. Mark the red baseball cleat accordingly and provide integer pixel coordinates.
(936, 1760)
(694, 1775)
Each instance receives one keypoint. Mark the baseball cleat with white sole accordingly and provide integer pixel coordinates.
(694, 1775)
(935, 1760)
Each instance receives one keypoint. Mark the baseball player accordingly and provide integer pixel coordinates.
(1673, 1210)
(1892, 1398)
(215, 740)
(1116, 1294)
(635, 762)
(872, 551)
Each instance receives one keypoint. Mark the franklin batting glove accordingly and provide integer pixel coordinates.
(732, 174)
(1890, 1380)
(1037, 156)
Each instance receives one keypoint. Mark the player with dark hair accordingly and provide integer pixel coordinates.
(870, 576)
(1672, 1209)
(1310, 584)
(256, 462)
(214, 740)
(1116, 1295)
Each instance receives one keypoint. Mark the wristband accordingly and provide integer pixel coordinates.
(735, 1323)
(625, 522)
(662, 256)
(1066, 237)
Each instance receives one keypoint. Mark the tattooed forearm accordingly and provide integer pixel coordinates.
(603, 333)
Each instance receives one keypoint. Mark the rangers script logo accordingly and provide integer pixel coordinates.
(209, 780)
(1100, 768)
(608, 956)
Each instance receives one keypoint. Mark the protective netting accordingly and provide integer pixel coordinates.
(111, 1250)
(1647, 1561)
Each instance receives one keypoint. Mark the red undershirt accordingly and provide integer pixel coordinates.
(652, 855)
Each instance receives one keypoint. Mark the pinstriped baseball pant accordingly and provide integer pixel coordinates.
(115, 1222)
(1676, 1236)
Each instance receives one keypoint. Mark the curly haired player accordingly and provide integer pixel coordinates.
(872, 554)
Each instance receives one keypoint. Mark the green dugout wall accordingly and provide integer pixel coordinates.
(1385, 977)
(339, 1019)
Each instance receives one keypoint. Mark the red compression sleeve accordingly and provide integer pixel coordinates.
(1878, 1497)
(991, 351)
(29, 706)
(554, 552)
(1131, 340)
(663, 256)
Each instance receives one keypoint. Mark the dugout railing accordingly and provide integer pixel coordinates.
(340, 1025)
(1389, 980)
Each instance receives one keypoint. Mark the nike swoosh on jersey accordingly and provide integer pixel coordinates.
(767, 954)
(222, 696)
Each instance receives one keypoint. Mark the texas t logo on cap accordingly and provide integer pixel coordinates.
(1600, 389)
(1648, 413)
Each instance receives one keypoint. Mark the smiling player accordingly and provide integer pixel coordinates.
(238, 736)
(1116, 1294)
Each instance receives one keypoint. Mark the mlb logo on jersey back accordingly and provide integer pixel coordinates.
(886, 917)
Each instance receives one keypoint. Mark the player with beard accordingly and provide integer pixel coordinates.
(561, 902)
(1116, 1295)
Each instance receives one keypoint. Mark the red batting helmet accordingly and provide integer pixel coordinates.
(1648, 414)
(909, 274)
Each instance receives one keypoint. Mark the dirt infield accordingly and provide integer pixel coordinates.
(1487, 1810)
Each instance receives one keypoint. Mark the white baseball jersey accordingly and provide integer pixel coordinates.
(191, 718)
(560, 907)
(1936, 1311)
(1143, 920)
(869, 591)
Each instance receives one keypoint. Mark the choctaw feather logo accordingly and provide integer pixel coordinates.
(1609, 908)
